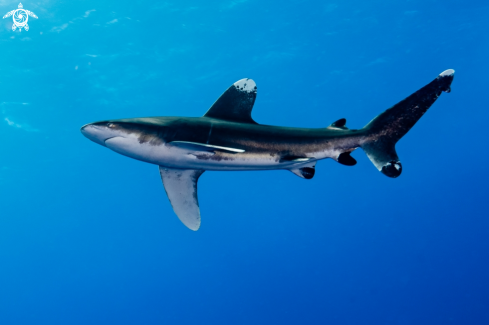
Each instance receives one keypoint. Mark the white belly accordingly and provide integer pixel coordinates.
(174, 157)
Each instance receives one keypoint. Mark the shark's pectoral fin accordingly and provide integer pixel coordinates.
(236, 103)
(199, 147)
(305, 171)
(181, 188)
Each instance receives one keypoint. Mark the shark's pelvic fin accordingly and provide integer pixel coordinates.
(383, 132)
(181, 188)
(236, 103)
(305, 171)
(194, 146)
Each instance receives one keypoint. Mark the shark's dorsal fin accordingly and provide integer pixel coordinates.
(181, 188)
(236, 103)
(340, 124)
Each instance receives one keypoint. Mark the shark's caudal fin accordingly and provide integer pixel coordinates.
(383, 132)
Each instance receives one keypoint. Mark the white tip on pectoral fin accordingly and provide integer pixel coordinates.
(181, 188)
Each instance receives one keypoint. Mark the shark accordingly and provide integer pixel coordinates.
(226, 138)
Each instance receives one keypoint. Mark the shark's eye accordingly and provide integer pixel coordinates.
(111, 125)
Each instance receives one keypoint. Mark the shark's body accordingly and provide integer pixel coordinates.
(227, 138)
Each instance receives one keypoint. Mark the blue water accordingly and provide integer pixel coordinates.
(88, 236)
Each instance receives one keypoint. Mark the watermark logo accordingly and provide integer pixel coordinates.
(20, 17)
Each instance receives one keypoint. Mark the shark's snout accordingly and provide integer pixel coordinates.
(99, 132)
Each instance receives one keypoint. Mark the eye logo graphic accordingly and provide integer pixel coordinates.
(20, 17)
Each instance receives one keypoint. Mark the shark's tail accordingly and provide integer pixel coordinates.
(383, 132)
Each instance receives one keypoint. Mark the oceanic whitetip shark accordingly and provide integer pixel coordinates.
(227, 138)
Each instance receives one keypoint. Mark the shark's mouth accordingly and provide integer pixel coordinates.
(112, 138)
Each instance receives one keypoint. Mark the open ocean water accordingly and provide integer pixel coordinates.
(88, 236)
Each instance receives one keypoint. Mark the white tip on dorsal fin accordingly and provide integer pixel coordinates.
(236, 103)
(181, 188)
(246, 84)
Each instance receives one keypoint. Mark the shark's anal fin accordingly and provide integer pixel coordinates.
(346, 159)
(195, 146)
(305, 171)
(181, 188)
(236, 103)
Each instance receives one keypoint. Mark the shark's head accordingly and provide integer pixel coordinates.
(135, 138)
(149, 130)
(99, 132)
